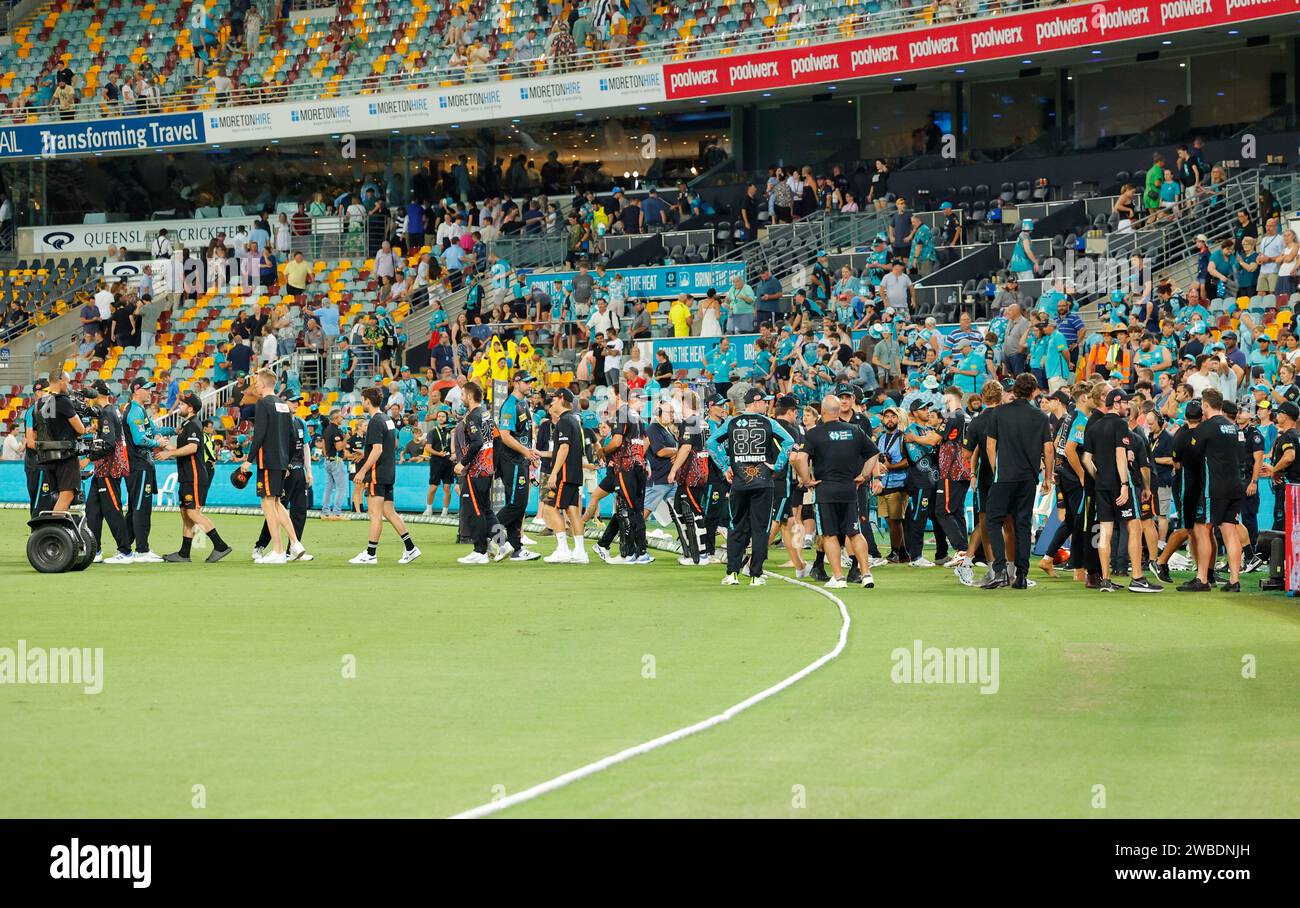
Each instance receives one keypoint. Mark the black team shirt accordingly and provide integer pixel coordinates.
(1103, 436)
(976, 441)
(331, 436)
(1020, 430)
(838, 451)
(1221, 448)
(191, 467)
(1288, 440)
(1191, 473)
(381, 431)
(569, 431)
(272, 433)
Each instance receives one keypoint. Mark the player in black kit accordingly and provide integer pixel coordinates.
(375, 476)
(837, 459)
(1217, 437)
(270, 451)
(749, 448)
(193, 478)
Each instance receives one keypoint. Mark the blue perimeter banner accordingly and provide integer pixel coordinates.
(86, 138)
(689, 352)
(660, 281)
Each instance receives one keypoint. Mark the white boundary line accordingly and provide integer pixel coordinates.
(590, 769)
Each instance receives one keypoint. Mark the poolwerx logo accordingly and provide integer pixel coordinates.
(693, 79)
(1181, 9)
(747, 72)
(814, 63)
(932, 47)
(102, 862)
(873, 56)
(1104, 19)
(995, 37)
(1061, 28)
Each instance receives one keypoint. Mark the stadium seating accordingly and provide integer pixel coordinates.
(44, 288)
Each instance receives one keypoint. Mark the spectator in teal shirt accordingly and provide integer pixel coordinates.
(720, 361)
(968, 372)
(923, 258)
(1264, 357)
(1056, 357)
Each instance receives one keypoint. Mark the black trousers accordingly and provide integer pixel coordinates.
(1091, 532)
(864, 518)
(1071, 527)
(476, 500)
(920, 508)
(140, 485)
(1014, 500)
(688, 515)
(514, 481)
(628, 520)
(1250, 518)
(294, 497)
(751, 517)
(105, 503)
(713, 500)
(39, 496)
(950, 508)
(1279, 508)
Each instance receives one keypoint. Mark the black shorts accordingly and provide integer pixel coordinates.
(191, 495)
(838, 518)
(382, 490)
(609, 482)
(569, 496)
(1225, 510)
(1192, 510)
(981, 502)
(783, 501)
(1110, 512)
(270, 483)
(62, 475)
(441, 471)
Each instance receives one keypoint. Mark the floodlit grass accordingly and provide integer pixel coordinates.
(473, 681)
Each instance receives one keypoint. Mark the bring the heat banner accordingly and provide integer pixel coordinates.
(1043, 31)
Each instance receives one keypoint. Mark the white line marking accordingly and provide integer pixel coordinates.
(590, 769)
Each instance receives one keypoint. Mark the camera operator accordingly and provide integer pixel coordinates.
(57, 429)
(105, 499)
(39, 496)
(142, 479)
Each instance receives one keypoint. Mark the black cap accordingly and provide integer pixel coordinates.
(918, 404)
(843, 390)
(1115, 397)
(192, 401)
(40, 385)
(141, 382)
(754, 394)
(525, 375)
(1062, 397)
(1289, 409)
(100, 387)
(1194, 410)
(565, 395)
(717, 400)
(786, 402)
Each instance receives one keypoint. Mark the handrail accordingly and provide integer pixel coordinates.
(854, 26)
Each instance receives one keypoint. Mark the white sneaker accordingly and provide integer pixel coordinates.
(879, 562)
(298, 552)
(868, 582)
(258, 552)
(527, 541)
(493, 548)
(645, 558)
(503, 552)
(921, 562)
(275, 558)
(835, 583)
(148, 558)
(760, 580)
(731, 580)
(601, 552)
(443, 513)
(559, 556)
(579, 556)
(98, 559)
(474, 558)
(120, 558)
(965, 573)
(408, 557)
(955, 560)
(364, 558)
(427, 512)
(686, 562)
(525, 555)
(803, 572)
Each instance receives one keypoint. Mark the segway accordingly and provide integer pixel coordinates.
(60, 543)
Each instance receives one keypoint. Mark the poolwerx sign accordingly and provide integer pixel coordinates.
(1043, 31)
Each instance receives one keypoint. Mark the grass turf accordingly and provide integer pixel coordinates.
(472, 681)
